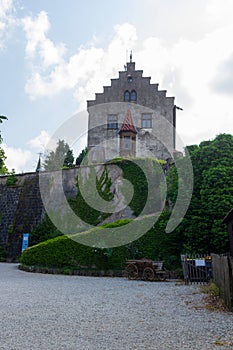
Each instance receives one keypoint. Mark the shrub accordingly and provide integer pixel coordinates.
(43, 231)
(64, 252)
(11, 179)
(2, 254)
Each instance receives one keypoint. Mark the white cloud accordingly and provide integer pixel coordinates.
(6, 19)
(86, 71)
(17, 158)
(186, 68)
(219, 12)
(38, 43)
(5, 6)
(40, 141)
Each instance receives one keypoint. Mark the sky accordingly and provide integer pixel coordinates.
(54, 55)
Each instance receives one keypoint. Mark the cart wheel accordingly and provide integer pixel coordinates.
(148, 274)
(132, 271)
(161, 276)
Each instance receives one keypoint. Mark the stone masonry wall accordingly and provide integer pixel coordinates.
(21, 206)
(9, 198)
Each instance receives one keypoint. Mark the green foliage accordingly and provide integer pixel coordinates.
(2, 117)
(137, 178)
(217, 190)
(103, 185)
(210, 288)
(133, 172)
(156, 244)
(43, 231)
(61, 157)
(201, 230)
(81, 156)
(63, 252)
(212, 197)
(11, 179)
(80, 206)
(172, 185)
(3, 254)
(3, 168)
(69, 159)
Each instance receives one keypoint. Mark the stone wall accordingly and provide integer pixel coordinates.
(9, 198)
(21, 206)
(21, 209)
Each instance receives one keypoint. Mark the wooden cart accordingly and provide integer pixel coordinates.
(146, 269)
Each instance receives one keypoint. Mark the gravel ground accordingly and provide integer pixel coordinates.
(40, 312)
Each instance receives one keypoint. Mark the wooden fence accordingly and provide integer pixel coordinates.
(223, 277)
(196, 268)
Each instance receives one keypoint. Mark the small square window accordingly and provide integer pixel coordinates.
(112, 121)
(146, 120)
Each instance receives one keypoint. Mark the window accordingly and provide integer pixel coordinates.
(126, 142)
(133, 96)
(112, 121)
(127, 96)
(130, 97)
(146, 120)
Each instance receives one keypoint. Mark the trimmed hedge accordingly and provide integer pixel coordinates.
(63, 252)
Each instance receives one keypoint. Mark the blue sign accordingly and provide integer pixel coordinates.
(25, 241)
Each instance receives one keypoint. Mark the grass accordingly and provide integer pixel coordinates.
(212, 300)
(210, 288)
(219, 342)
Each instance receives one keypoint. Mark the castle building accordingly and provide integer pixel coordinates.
(132, 117)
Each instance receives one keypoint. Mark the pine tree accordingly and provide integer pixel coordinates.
(60, 158)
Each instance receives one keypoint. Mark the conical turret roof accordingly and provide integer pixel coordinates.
(127, 124)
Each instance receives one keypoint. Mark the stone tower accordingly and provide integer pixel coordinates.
(153, 114)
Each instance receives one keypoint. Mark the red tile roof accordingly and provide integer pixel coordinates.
(127, 124)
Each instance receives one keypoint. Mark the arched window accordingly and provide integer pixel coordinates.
(127, 96)
(133, 96)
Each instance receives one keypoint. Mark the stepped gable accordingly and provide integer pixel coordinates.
(148, 94)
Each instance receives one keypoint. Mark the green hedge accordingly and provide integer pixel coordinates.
(63, 252)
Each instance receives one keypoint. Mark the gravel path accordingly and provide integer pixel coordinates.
(86, 313)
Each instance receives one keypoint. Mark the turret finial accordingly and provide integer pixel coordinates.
(39, 167)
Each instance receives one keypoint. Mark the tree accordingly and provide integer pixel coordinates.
(3, 168)
(2, 117)
(81, 156)
(212, 196)
(61, 157)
